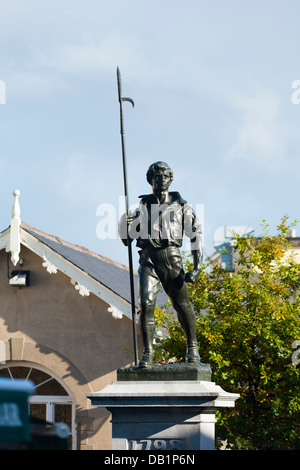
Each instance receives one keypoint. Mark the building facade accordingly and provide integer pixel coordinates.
(65, 325)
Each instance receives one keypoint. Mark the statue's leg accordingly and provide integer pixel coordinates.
(148, 289)
(171, 274)
(187, 319)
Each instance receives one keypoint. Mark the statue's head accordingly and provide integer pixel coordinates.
(156, 168)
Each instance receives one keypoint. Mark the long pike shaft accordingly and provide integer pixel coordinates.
(129, 245)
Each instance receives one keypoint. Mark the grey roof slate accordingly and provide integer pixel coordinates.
(110, 274)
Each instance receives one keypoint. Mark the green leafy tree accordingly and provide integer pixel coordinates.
(247, 322)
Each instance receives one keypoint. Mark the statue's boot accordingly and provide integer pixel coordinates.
(188, 323)
(192, 354)
(147, 358)
(148, 337)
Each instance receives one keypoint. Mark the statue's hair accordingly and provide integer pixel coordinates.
(157, 166)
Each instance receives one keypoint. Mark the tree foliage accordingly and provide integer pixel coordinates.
(247, 322)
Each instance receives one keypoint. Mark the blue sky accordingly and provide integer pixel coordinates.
(212, 85)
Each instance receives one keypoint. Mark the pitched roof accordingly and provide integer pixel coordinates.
(111, 274)
(88, 271)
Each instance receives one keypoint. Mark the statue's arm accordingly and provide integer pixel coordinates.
(193, 274)
(124, 227)
(193, 231)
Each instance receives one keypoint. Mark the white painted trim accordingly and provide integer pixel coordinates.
(82, 290)
(15, 236)
(51, 269)
(50, 398)
(4, 240)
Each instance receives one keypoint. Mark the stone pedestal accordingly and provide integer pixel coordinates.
(167, 408)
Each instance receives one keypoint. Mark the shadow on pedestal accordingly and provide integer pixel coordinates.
(177, 371)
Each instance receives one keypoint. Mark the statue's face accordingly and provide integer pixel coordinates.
(161, 180)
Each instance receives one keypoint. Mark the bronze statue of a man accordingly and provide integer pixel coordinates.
(158, 226)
